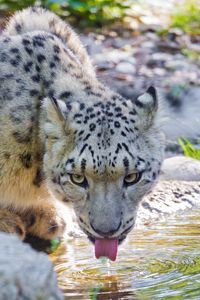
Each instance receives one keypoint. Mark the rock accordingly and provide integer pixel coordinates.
(168, 197)
(104, 65)
(161, 56)
(148, 44)
(170, 47)
(125, 67)
(177, 65)
(160, 71)
(114, 56)
(180, 168)
(176, 31)
(119, 42)
(24, 273)
(131, 60)
(159, 59)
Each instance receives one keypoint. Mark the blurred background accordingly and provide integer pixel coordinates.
(136, 43)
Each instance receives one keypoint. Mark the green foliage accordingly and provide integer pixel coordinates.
(189, 149)
(83, 12)
(13, 5)
(187, 17)
(191, 54)
(90, 12)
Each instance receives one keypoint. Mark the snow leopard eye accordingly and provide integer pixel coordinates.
(78, 180)
(132, 178)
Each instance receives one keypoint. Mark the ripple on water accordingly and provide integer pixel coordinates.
(161, 261)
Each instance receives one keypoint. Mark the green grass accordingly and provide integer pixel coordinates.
(187, 17)
(192, 55)
(189, 149)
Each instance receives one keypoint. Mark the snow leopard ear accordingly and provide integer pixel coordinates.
(59, 108)
(55, 114)
(56, 110)
(147, 106)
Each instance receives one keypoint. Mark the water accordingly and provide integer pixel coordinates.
(161, 261)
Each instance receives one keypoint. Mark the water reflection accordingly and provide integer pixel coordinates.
(161, 261)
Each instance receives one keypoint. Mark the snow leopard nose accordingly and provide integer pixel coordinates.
(106, 232)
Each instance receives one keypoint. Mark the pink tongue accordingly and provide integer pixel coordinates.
(106, 247)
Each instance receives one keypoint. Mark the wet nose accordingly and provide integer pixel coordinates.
(108, 232)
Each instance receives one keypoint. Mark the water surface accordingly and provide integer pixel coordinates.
(161, 261)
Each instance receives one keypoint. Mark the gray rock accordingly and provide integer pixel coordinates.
(168, 197)
(161, 56)
(148, 44)
(180, 168)
(24, 273)
(125, 67)
(114, 56)
(177, 65)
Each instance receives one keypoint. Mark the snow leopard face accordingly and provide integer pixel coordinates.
(103, 157)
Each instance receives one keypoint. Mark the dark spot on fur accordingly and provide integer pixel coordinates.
(56, 48)
(29, 219)
(117, 124)
(83, 164)
(87, 137)
(26, 159)
(4, 57)
(7, 40)
(39, 177)
(21, 138)
(51, 93)
(40, 58)
(27, 66)
(34, 93)
(82, 149)
(56, 58)
(36, 78)
(25, 42)
(46, 83)
(92, 127)
(77, 116)
(65, 95)
(28, 50)
(123, 133)
(18, 28)
(52, 65)
(14, 50)
(82, 106)
(37, 68)
(139, 104)
(6, 155)
(39, 156)
(126, 163)
(14, 62)
(38, 41)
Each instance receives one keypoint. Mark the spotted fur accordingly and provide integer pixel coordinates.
(57, 119)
